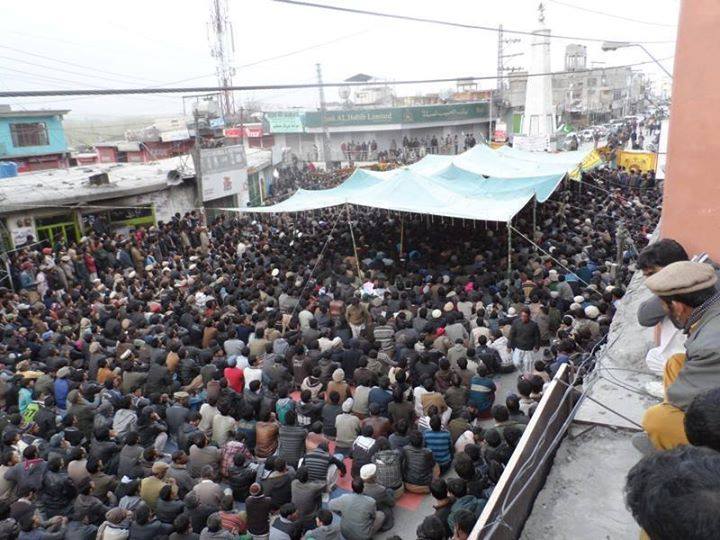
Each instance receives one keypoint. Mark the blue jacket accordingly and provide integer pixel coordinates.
(62, 388)
(482, 393)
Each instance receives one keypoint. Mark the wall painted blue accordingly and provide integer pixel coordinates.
(56, 136)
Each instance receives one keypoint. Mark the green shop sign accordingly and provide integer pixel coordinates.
(399, 115)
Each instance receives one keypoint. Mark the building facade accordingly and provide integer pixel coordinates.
(583, 96)
(302, 131)
(71, 204)
(34, 140)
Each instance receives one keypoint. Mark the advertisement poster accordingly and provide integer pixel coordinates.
(224, 171)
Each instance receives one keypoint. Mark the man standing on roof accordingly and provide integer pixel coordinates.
(524, 341)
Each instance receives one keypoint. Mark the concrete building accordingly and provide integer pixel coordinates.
(70, 203)
(582, 96)
(141, 151)
(34, 140)
(301, 131)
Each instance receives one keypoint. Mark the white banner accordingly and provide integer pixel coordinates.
(531, 143)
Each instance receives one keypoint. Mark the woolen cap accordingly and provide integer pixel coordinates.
(159, 466)
(682, 277)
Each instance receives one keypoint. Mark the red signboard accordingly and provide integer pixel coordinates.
(233, 132)
(252, 131)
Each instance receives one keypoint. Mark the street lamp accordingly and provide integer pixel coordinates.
(615, 45)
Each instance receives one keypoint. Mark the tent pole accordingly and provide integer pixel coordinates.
(352, 236)
(509, 255)
(534, 218)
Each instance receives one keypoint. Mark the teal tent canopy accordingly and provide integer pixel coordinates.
(480, 184)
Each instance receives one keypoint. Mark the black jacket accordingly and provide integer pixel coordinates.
(524, 336)
(57, 494)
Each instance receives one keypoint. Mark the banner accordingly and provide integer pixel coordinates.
(640, 161)
(531, 143)
(592, 160)
(224, 171)
(399, 115)
(284, 122)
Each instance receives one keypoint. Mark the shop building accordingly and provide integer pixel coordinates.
(70, 203)
(302, 131)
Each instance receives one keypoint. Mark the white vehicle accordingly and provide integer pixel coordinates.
(587, 135)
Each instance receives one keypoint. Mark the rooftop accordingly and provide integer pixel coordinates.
(7, 112)
(59, 187)
(72, 186)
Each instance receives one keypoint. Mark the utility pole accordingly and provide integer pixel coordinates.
(198, 164)
(222, 48)
(323, 123)
(501, 56)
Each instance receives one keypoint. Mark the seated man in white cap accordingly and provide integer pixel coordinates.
(384, 497)
(687, 290)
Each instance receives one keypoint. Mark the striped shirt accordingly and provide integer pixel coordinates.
(384, 335)
(439, 443)
(291, 444)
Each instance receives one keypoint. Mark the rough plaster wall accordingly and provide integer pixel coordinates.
(167, 201)
(583, 494)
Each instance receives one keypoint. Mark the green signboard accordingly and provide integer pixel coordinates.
(284, 121)
(399, 115)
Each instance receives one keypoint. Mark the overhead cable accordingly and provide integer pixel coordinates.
(449, 23)
(211, 89)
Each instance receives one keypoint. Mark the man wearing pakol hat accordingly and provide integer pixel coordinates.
(150, 487)
(687, 290)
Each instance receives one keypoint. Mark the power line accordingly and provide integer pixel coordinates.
(45, 66)
(612, 15)
(94, 69)
(448, 23)
(210, 89)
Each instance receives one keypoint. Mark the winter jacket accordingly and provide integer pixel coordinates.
(57, 494)
(418, 465)
(29, 473)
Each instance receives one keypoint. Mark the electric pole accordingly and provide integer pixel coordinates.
(222, 48)
(501, 56)
(323, 123)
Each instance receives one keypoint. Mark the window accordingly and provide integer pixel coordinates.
(34, 134)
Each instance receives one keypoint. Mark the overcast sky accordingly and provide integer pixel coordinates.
(47, 44)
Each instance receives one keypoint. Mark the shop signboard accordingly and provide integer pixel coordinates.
(224, 171)
(400, 115)
(284, 122)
